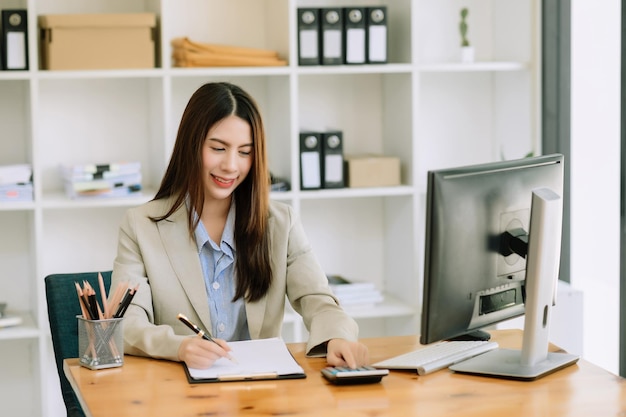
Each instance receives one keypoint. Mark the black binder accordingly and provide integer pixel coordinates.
(308, 36)
(331, 25)
(376, 22)
(310, 161)
(354, 38)
(332, 162)
(14, 39)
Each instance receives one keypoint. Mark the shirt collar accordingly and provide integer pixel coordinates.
(227, 244)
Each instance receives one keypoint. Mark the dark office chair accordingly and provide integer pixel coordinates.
(63, 307)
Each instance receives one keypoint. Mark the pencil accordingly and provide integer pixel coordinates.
(103, 295)
(81, 301)
(116, 297)
(201, 333)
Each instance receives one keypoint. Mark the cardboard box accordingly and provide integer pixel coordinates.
(372, 171)
(97, 41)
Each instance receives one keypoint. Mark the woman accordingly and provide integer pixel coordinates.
(212, 246)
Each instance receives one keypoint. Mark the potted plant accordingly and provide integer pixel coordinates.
(467, 51)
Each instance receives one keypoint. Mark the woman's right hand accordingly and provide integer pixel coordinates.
(199, 353)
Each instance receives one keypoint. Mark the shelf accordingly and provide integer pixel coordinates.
(26, 330)
(282, 195)
(98, 74)
(404, 190)
(355, 69)
(14, 75)
(61, 201)
(474, 66)
(228, 71)
(17, 205)
(389, 307)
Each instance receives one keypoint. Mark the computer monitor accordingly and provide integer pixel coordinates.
(492, 251)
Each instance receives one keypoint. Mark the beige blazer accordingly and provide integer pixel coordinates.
(163, 259)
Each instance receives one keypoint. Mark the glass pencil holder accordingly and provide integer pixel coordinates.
(100, 343)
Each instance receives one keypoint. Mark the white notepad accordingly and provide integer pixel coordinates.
(255, 360)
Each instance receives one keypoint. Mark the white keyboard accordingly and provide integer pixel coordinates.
(437, 356)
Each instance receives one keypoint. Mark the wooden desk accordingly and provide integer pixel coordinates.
(147, 387)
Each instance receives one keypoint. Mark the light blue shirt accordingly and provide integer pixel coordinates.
(228, 318)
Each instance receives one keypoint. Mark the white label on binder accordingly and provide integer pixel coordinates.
(333, 169)
(311, 177)
(332, 44)
(355, 41)
(16, 50)
(308, 44)
(378, 43)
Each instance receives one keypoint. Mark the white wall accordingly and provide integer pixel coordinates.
(595, 178)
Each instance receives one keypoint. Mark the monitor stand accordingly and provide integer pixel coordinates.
(533, 360)
(507, 363)
(474, 335)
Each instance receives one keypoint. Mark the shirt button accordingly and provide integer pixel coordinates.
(216, 285)
(221, 327)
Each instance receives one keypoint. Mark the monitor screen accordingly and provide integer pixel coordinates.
(477, 227)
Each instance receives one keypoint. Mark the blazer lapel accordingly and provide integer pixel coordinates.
(255, 313)
(183, 255)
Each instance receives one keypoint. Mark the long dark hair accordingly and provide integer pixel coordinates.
(210, 104)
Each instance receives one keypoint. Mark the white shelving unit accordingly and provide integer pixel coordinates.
(424, 107)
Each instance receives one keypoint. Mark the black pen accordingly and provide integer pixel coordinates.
(200, 332)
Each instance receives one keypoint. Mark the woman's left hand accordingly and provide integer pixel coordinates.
(341, 352)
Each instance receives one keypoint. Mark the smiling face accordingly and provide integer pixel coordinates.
(227, 155)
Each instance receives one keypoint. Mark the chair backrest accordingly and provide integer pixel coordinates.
(63, 307)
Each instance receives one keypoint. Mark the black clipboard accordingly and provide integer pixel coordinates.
(255, 360)
(240, 378)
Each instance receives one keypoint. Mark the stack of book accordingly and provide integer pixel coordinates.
(354, 294)
(106, 180)
(187, 53)
(16, 182)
